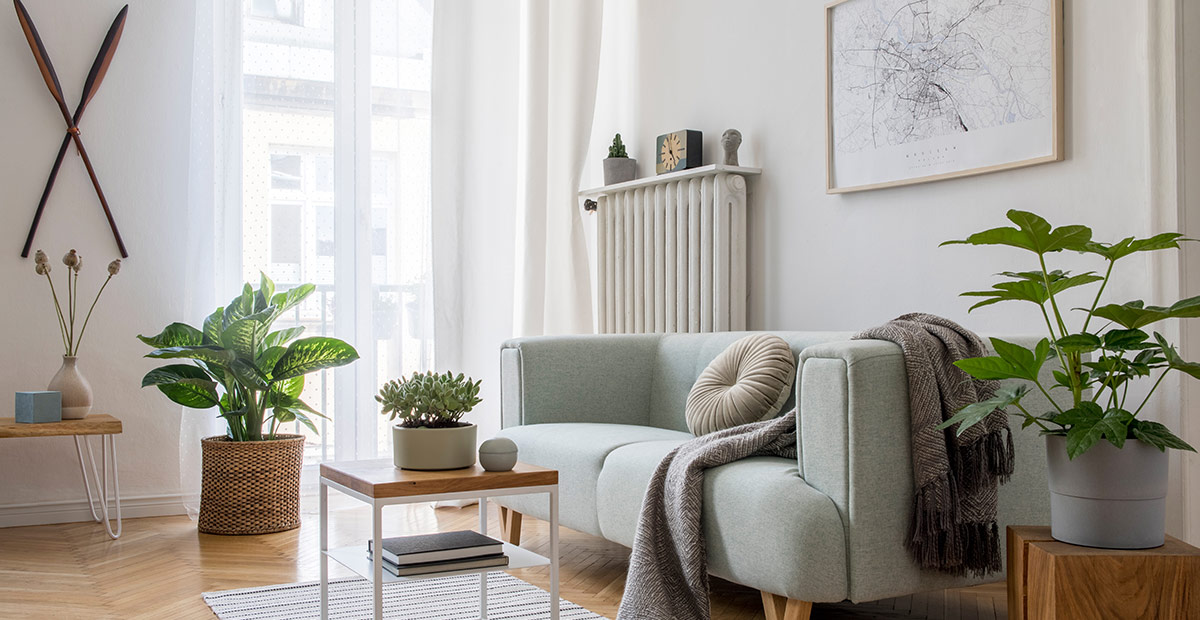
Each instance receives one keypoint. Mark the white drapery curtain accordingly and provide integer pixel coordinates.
(510, 127)
(560, 63)
(205, 253)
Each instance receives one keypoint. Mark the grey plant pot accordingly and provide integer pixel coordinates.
(1108, 497)
(433, 448)
(619, 170)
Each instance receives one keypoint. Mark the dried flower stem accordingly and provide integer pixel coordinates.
(89, 314)
(70, 312)
(62, 324)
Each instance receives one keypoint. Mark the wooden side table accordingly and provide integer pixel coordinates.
(378, 483)
(107, 427)
(1048, 579)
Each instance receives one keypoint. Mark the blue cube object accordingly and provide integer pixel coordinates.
(39, 407)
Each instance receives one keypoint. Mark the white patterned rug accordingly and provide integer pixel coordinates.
(443, 597)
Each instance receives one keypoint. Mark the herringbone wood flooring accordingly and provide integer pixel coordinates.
(160, 566)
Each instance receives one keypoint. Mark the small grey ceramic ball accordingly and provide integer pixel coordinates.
(498, 454)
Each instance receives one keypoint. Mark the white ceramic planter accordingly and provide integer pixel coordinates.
(1108, 497)
(433, 448)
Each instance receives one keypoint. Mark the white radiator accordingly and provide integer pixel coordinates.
(671, 252)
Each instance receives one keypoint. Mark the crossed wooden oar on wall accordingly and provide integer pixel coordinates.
(95, 76)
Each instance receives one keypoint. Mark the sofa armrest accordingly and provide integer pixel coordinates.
(855, 446)
(592, 378)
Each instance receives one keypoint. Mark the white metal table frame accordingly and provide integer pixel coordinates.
(377, 505)
(108, 464)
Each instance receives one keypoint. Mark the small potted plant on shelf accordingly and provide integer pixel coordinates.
(430, 434)
(1107, 465)
(254, 377)
(618, 166)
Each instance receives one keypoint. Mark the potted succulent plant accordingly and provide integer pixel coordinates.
(618, 166)
(430, 434)
(1107, 465)
(254, 377)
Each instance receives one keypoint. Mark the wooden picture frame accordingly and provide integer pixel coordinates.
(946, 149)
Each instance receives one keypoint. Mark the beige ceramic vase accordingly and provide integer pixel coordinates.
(76, 393)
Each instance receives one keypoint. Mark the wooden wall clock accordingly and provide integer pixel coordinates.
(679, 150)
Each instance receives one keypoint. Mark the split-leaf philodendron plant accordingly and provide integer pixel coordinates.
(1096, 363)
(257, 369)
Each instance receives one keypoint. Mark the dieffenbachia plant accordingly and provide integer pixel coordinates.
(260, 372)
(1097, 362)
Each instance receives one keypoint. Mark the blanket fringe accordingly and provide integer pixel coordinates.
(989, 459)
(936, 542)
(931, 539)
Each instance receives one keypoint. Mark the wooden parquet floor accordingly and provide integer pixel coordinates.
(160, 566)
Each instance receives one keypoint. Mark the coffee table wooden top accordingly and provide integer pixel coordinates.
(97, 424)
(379, 478)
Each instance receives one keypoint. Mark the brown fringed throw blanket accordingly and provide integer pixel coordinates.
(668, 570)
(953, 525)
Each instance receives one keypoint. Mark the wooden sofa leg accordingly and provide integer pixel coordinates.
(510, 526)
(784, 608)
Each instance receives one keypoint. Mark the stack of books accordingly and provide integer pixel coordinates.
(442, 552)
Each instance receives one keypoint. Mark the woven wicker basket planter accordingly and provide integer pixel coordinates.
(250, 487)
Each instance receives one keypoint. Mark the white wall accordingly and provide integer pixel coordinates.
(136, 134)
(821, 262)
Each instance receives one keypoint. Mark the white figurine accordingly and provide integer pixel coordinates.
(730, 141)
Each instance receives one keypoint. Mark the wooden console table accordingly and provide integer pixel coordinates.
(107, 427)
(1048, 579)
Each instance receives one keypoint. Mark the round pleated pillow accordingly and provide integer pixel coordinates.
(748, 382)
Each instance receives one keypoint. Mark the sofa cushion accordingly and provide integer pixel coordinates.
(762, 522)
(682, 357)
(748, 382)
(577, 451)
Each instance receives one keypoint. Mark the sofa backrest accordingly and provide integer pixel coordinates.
(682, 357)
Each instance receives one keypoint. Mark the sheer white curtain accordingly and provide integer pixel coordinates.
(206, 240)
(310, 132)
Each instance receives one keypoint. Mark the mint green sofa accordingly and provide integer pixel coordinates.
(826, 527)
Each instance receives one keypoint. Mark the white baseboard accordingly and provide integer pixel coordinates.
(74, 511)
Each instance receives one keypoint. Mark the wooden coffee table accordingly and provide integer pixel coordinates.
(107, 427)
(379, 483)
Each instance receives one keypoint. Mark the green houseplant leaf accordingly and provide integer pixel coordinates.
(1159, 436)
(1033, 233)
(172, 373)
(213, 325)
(290, 299)
(175, 335)
(1130, 245)
(193, 393)
(971, 414)
(282, 337)
(244, 336)
(209, 354)
(1174, 360)
(311, 354)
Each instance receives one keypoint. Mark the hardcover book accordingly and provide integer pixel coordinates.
(440, 547)
(424, 568)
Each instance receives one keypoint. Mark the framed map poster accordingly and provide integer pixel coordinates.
(923, 90)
